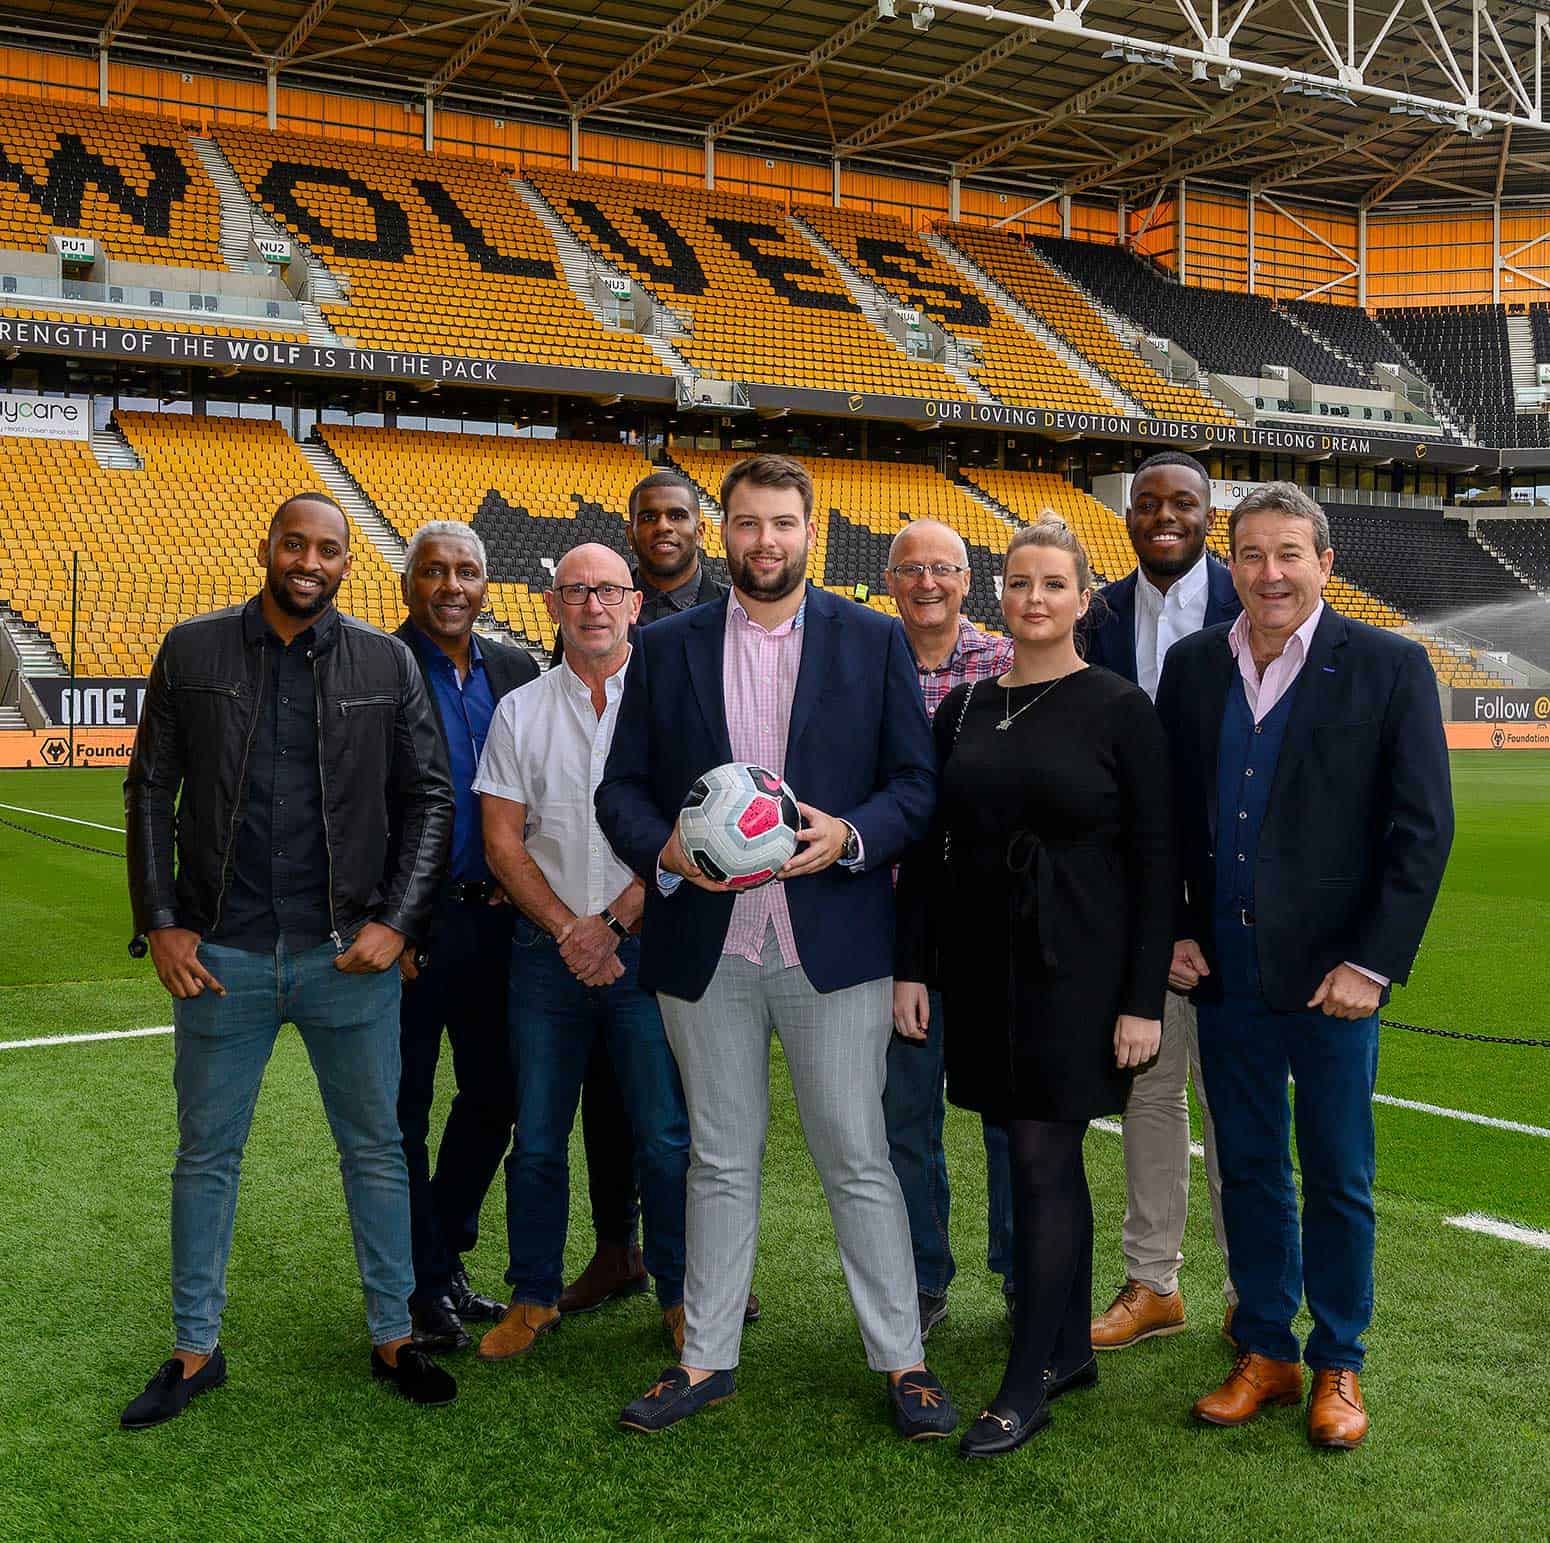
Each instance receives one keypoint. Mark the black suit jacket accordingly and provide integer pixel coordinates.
(1111, 641)
(505, 666)
(859, 748)
(1360, 820)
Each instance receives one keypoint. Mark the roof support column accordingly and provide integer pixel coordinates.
(430, 124)
(1251, 241)
(575, 143)
(710, 163)
(1496, 250)
(954, 197)
(1065, 215)
(102, 77)
(1181, 215)
(1361, 256)
(1121, 223)
(271, 98)
(834, 182)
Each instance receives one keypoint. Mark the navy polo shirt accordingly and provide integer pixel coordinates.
(277, 878)
(466, 706)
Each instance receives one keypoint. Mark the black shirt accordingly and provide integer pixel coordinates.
(277, 883)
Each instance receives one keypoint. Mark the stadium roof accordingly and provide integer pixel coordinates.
(1410, 100)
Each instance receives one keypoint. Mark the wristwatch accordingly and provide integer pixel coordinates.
(852, 848)
(615, 926)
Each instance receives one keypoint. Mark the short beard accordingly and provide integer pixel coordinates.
(282, 597)
(663, 578)
(1182, 561)
(786, 580)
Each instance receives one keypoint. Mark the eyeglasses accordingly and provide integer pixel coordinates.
(579, 594)
(914, 571)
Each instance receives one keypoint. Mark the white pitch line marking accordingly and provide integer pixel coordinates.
(1461, 1114)
(69, 819)
(1491, 1227)
(81, 1039)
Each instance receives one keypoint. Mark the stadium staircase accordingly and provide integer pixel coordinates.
(1520, 343)
(242, 219)
(986, 501)
(35, 648)
(875, 304)
(579, 264)
(353, 501)
(1524, 576)
(1324, 341)
(113, 450)
(707, 502)
(1025, 319)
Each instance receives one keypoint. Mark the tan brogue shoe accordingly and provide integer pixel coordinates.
(518, 1331)
(1337, 1417)
(1138, 1313)
(673, 1326)
(1254, 1384)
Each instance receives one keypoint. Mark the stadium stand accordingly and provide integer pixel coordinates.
(530, 500)
(1064, 309)
(1464, 353)
(1539, 324)
(1013, 364)
(1523, 543)
(441, 254)
(160, 543)
(128, 181)
(1355, 332)
(760, 303)
(1229, 333)
(859, 507)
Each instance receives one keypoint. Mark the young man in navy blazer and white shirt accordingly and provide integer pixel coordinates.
(823, 692)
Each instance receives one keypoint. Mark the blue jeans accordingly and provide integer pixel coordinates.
(221, 1045)
(555, 1021)
(914, 1113)
(1247, 1051)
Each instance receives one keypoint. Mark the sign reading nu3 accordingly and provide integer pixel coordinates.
(23, 416)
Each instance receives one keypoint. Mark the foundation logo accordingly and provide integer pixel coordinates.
(1498, 739)
(55, 751)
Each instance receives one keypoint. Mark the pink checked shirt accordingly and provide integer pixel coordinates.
(758, 684)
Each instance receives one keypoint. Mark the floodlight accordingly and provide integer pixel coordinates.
(886, 10)
(922, 18)
(1197, 69)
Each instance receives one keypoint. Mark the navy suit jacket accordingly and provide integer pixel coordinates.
(859, 747)
(1112, 642)
(1360, 820)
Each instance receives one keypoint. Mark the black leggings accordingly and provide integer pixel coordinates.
(1052, 1219)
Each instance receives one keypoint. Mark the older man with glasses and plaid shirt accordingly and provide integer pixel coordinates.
(928, 577)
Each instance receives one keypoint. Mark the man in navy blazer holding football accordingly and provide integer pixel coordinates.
(1315, 817)
(822, 692)
(1177, 588)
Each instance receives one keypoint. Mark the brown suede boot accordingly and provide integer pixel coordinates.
(518, 1331)
(1337, 1417)
(615, 1270)
(673, 1327)
(1254, 1384)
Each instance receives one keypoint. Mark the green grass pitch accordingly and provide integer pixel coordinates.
(301, 1444)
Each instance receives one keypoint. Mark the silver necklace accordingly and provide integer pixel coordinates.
(1006, 722)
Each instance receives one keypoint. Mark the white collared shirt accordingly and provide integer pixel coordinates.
(1162, 618)
(1263, 692)
(546, 749)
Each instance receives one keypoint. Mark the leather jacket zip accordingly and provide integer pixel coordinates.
(328, 845)
(236, 808)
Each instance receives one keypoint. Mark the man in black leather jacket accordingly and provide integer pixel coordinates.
(301, 859)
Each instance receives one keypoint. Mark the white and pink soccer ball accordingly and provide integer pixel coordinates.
(739, 825)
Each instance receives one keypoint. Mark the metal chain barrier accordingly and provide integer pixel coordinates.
(78, 846)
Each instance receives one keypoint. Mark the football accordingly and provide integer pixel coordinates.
(739, 825)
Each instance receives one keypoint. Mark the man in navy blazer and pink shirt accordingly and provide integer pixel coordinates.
(823, 692)
(1315, 817)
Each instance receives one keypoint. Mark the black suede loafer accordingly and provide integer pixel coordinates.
(438, 1328)
(932, 1311)
(416, 1377)
(470, 1305)
(1085, 1376)
(169, 1392)
(994, 1433)
(922, 1411)
(670, 1399)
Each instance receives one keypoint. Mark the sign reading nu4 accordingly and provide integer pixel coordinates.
(23, 416)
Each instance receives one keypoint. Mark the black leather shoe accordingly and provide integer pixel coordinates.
(752, 1311)
(470, 1305)
(932, 1311)
(438, 1329)
(671, 1399)
(1085, 1376)
(416, 1376)
(169, 1392)
(922, 1411)
(994, 1433)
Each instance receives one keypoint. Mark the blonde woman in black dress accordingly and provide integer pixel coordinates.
(1042, 906)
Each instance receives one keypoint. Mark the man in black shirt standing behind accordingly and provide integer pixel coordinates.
(288, 814)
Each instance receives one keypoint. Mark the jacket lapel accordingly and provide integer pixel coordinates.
(1315, 681)
(1221, 598)
(1126, 663)
(819, 624)
(405, 634)
(705, 641)
(1221, 677)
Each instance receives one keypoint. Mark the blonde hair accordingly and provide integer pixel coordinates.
(1049, 530)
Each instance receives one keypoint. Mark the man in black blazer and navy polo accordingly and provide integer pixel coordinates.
(1177, 589)
(462, 987)
(823, 692)
(1315, 817)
